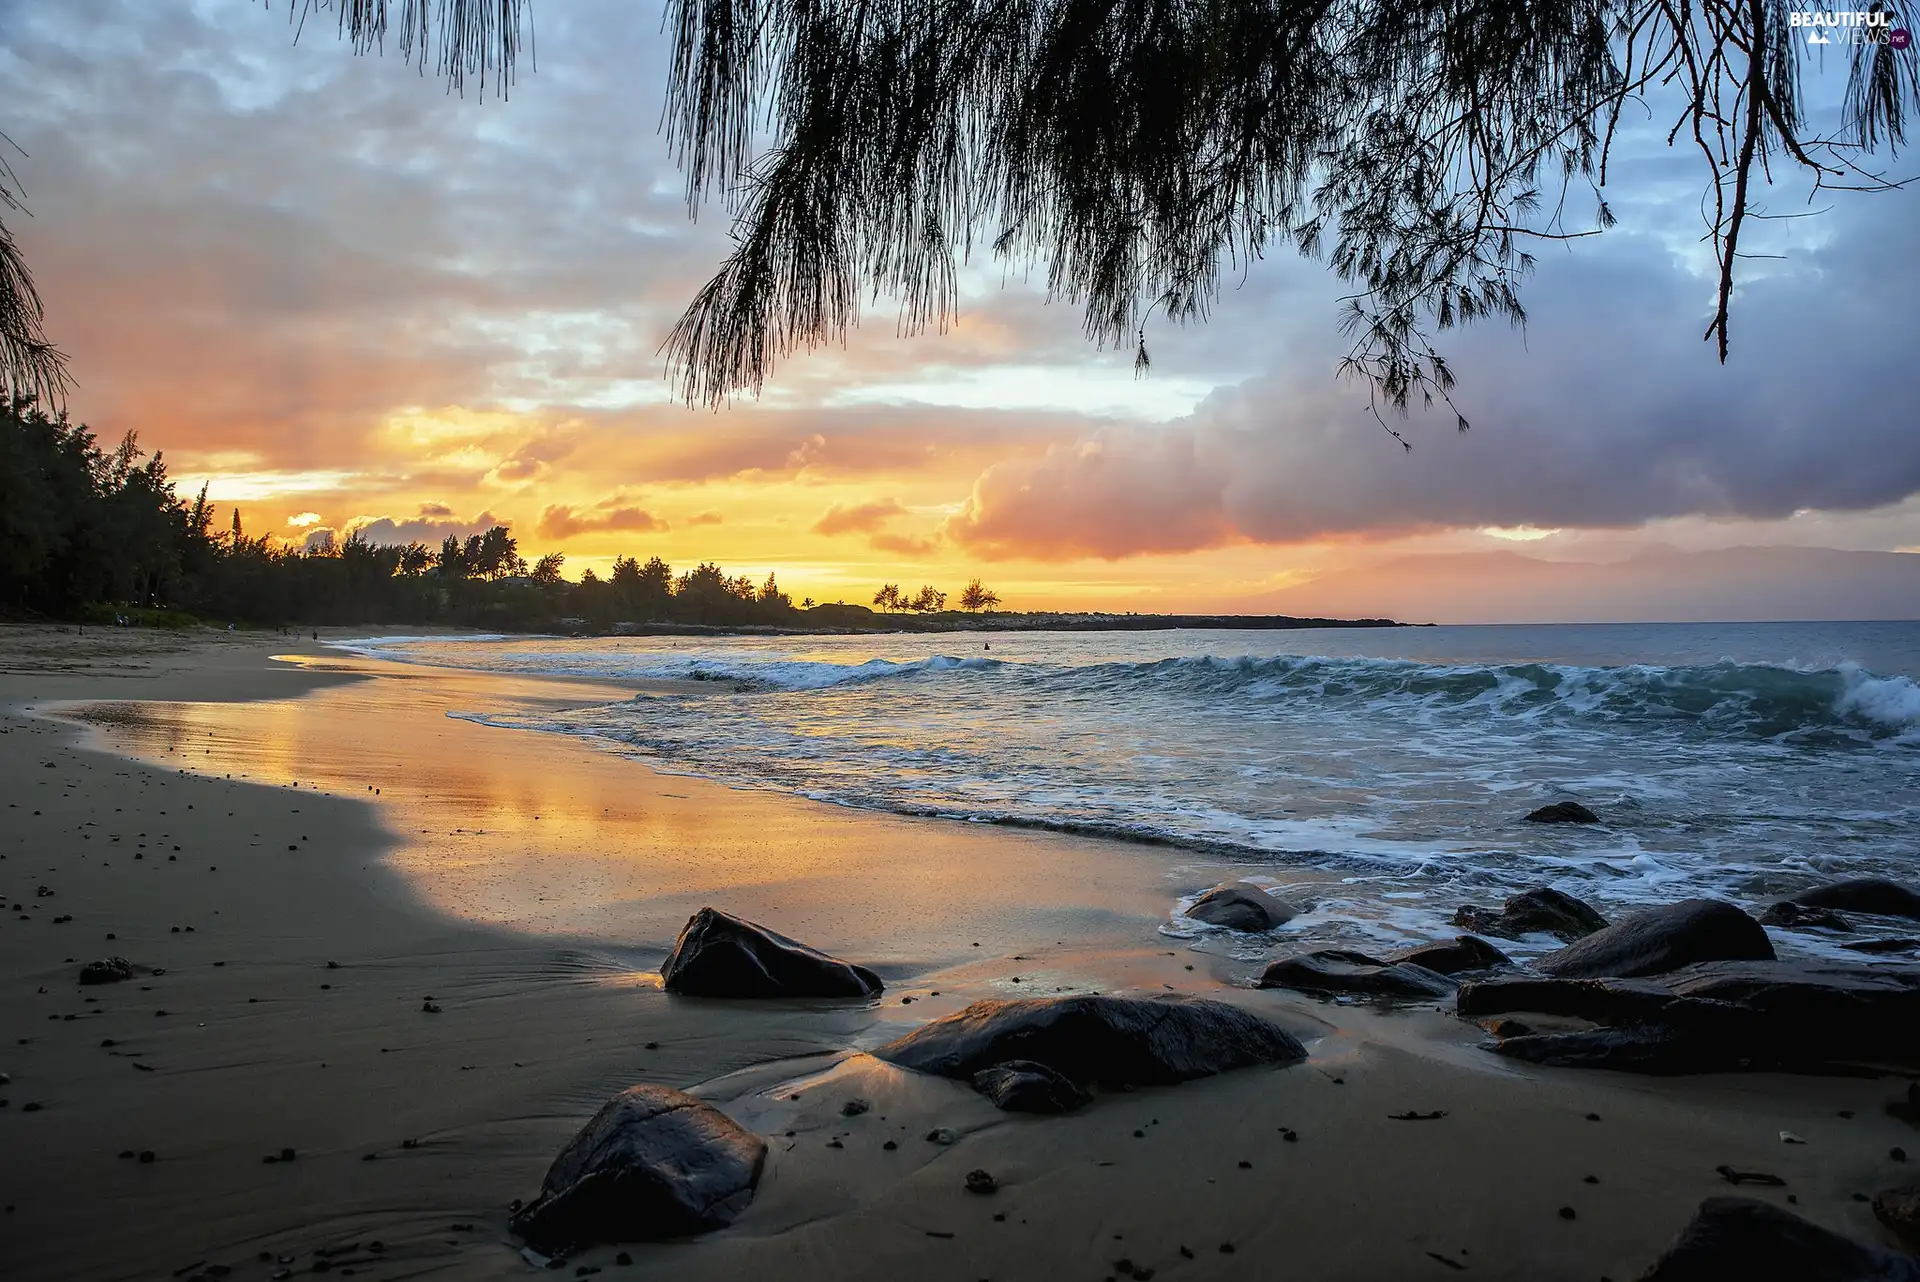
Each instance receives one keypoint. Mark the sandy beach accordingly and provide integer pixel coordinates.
(303, 853)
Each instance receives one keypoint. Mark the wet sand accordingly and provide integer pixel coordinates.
(530, 886)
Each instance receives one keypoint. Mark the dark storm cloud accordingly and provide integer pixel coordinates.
(1608, 412)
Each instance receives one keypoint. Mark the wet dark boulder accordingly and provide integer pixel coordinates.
(108, 970)
(1663, 939)
(1874, 895)
(1563, 812)
(1542, 909)
(1653, 1050)
(654, 1163)
(718, 955)
(1603, 1001)
(1899, 1210)
(1792, 916)
(1716, 1015)
(1737, 1239)
(1466, 952)
(1092, 1039)
(1336, 972)
(1241, 905)
(1025, 1086)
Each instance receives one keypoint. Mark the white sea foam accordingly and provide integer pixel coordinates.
(1403, 776)
(1893, 702)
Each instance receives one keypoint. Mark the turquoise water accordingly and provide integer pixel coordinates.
(1734, 760)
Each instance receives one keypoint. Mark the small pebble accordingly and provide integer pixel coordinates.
(979, 1181)
(1566, 1213)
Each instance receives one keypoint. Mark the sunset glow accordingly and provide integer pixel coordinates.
(344, 301)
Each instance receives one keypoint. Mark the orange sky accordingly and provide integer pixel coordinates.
(347, 301)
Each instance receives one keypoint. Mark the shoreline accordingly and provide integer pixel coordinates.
(538, 1026)
(881, 624)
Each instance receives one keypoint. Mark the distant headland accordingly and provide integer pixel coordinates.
(843, 619)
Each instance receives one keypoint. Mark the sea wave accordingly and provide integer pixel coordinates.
(1764, 700)
(1840, 704)
(1400, 782)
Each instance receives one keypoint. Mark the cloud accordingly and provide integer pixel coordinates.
(1609, 414)
(858, 517)
(532, 458)
(304, 518)
(561, 522)
(429, 527)
(324, 265)
(904, 544)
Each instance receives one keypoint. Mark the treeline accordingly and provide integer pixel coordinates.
(85, 533)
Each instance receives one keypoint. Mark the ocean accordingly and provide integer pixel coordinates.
(1381, 773)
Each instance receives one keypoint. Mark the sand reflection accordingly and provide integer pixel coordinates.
(551, 834)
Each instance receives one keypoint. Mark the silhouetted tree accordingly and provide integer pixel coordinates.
(888, 597)
(977, 597)
(1417, 146)
(89, 533)
(30, 365)
(451, 563)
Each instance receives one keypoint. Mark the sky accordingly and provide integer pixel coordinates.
(346, 300)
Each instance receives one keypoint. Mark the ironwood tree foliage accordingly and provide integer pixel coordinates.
(1140, 149)
(30, 364)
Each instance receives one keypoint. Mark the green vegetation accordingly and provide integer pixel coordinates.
(102, 537)
(931, 600)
